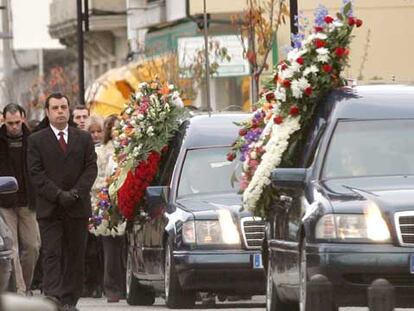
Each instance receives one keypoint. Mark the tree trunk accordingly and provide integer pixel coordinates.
(254, 87)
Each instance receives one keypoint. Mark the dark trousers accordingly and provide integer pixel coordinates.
(114, 266)
(93, 264)
(63, 247)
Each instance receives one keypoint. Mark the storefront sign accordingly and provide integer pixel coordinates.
(189, 47)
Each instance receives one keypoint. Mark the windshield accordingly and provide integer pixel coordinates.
(371, 148)
(208, 171)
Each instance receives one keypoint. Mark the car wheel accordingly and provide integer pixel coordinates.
(273, 302)
(304, 301)
(136, 295)
(175, 296)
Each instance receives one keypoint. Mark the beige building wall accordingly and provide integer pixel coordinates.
(216, 6)
(383, 48)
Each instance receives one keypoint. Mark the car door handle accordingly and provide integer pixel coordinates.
(286, 198)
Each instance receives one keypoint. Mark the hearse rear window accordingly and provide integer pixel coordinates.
(208, 171)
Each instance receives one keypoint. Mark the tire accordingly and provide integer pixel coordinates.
(175, 296)
(137, 295)
(273, 302)
(304, 301)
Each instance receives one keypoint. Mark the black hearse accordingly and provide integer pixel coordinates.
(197, 238)
(346, 208)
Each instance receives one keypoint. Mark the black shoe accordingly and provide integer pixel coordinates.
(97, 293)
(86, 292)
(209, 300)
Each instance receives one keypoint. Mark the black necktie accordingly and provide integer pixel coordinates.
(62, 141)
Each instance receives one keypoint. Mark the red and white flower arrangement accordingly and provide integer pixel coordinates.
(148, 123)
(310, 71)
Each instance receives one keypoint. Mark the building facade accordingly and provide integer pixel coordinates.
(156, 28)
(105, 43)
(382, 48)
(35, 73)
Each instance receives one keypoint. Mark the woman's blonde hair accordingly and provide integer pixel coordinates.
(94, 120)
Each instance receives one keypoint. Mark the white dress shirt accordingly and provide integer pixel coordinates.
(57, 131)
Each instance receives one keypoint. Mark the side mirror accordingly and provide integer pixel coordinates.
(8, 185)
(156, 196)
(289, 177)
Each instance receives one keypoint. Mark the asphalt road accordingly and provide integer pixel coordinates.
(90, 304)
(257, 304)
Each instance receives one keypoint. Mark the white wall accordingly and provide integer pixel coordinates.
(175, 9)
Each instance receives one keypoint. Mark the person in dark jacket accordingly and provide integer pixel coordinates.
(18, 208)
(62, 165)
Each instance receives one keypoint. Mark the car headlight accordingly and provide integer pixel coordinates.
(209, 232)
(352, 227)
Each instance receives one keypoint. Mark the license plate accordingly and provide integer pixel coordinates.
(257, 261)
(412, 264)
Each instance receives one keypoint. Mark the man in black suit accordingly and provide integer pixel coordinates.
(62, 166)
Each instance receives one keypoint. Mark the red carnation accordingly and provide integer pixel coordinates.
(242, 132)
(328, 19)
(231, 156)
(286, 83)
(300, 60)
(340, 51)
(351, 21)
(319, 43)
(318, 29)
(278, 119)
(358, 22)
(260, 150)
(270, 96)
(294, 110)
(283, 66)
(327, 68)
(308, 91)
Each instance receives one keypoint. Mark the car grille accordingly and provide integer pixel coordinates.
(253, 229)
(404, 224)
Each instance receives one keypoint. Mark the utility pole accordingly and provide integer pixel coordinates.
(82, 26)
(7, 52)
(206, 56)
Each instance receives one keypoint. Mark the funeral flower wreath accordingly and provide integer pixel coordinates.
(147, 124)
(310, 71)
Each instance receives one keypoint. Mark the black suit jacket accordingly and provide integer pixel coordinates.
(52, 170)
(6, 169)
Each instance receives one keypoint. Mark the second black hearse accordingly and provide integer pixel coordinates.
(345, 214)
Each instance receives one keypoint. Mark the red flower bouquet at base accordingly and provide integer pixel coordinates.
(133, 189)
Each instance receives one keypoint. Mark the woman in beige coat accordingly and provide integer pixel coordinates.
(114, 248)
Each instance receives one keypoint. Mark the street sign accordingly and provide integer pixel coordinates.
(188, 47)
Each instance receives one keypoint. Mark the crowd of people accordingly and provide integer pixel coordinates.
(60, 164)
